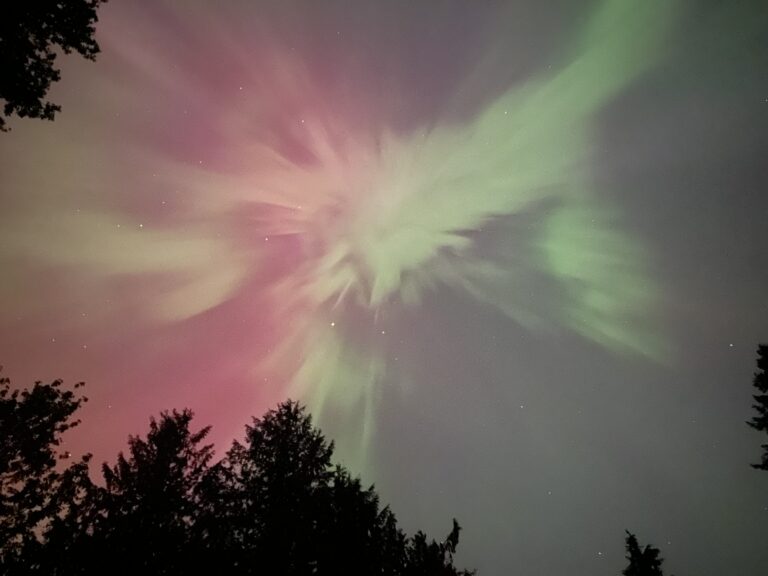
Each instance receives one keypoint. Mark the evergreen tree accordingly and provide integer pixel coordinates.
(642, 561)
(432, 558)
(142, 520)
(760, 382)
(279, 506)
(150, 502)
(274, 504)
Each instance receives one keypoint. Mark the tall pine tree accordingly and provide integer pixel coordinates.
(642, 561)
(760, 382)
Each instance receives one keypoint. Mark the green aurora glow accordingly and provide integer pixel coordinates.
(431, 196)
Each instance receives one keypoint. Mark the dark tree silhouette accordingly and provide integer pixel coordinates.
(432, 558)
(280, 507)
(32, 490)
(642, 561)
(760, 382)
(142, 521)
(30, 34)
(274, 504)
(276, 481)
(150, 501)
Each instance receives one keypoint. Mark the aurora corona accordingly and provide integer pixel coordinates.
(333, 224)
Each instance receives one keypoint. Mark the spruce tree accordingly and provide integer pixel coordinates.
(642, 561)
(760, 382)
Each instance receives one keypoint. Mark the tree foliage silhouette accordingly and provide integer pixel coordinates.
(32, 491)
(274, 504)
(642, 561)
(150, 500)
(279, 506)
(760, 382)
(30, 34)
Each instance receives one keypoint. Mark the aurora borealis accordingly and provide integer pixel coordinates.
(509, 255)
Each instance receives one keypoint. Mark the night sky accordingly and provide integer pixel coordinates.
(512, 255)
